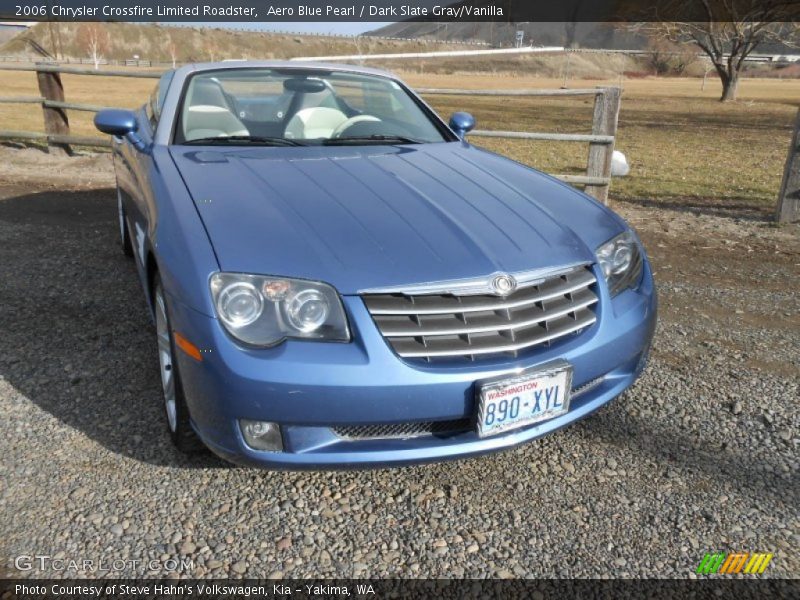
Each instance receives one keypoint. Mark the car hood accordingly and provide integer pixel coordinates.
(383, 216)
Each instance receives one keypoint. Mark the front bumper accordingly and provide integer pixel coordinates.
(309, 387)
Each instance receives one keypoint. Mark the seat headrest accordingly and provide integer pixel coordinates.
(208, 92)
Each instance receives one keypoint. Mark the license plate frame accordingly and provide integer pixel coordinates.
(560, 370)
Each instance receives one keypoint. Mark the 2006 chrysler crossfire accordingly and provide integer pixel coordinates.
(338, 279)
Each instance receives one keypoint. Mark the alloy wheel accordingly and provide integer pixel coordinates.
(165, 360)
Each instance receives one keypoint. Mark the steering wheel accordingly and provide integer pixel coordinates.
(343, 127)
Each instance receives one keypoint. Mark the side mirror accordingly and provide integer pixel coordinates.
(462, 123)
(119, 123)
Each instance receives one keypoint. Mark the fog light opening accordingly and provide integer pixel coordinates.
(262, 435)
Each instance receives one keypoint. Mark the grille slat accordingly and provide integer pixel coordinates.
(444, 325)
(451, 324)
(398, 304)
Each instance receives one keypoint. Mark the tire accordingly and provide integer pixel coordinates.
(175, 409)
(124, 234)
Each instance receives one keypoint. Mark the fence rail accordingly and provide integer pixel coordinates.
(601, 139)
(533, 92)
(788, 208)
(50, 68)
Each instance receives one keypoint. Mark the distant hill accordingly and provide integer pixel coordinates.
(153, 42)
(583, 35)
(7, 32)
(604, 36)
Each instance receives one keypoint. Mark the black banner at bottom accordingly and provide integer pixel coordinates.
(378, 589)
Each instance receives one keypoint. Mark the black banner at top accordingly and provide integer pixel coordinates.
(510, 11)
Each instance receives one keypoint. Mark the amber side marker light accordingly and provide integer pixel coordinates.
(187, 346)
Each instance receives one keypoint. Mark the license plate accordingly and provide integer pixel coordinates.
(514, 402)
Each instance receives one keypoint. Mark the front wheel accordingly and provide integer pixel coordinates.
(177, 412)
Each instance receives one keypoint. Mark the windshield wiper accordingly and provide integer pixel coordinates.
(243, 139)
(371, 139)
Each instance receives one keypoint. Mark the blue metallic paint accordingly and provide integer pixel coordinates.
(120, 123)
(114, 121)
(371, 217)
(462, 123)
(361, 218)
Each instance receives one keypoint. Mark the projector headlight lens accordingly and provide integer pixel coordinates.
(263, 311)
(621, 262)
(240, 304)
(307, 310)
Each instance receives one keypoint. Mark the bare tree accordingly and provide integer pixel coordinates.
(54, 31)
(213, 47)
(357, 42)
(659, 55)
(664, 57)
(727, 31)
(93, 38)
(683, 58)
(53, 44)
(172, 48)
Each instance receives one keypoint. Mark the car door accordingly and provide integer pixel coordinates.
(135, 170)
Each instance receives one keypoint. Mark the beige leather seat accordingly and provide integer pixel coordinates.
(205, 120)
(209, 114)
(313, 123)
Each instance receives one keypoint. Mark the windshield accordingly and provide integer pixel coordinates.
(284, 107)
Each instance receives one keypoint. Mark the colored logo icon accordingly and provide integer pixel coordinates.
(737, 562)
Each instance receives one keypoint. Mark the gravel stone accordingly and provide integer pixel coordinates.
(187, 547)
(284, 543)
(239, 567)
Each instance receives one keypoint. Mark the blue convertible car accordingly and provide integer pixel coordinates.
(338, 279)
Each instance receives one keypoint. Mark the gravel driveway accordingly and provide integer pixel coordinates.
(700, 456)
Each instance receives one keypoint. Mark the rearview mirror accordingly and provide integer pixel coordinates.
(462, 123)
(305, 86)
(119, 123)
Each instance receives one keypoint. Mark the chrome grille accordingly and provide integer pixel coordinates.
(401, 430)
(589, 385)
(441, 326)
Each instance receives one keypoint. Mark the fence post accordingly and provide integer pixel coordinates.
(788, 209)
(604, 122)
(56, 121)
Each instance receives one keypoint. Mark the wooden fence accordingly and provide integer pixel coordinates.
(788, 208)
(601, 139)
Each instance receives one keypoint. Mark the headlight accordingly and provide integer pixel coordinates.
(621, 262)
(264, 311)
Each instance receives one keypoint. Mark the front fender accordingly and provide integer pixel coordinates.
(177, 237)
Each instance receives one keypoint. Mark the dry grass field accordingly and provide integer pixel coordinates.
(682, 144)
